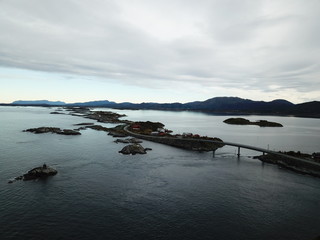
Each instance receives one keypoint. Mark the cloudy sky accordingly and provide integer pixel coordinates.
(160, 51)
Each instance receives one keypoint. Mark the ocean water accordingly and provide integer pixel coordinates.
(167, 193)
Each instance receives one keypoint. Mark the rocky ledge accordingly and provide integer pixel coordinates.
(134, 149)
(38, 172)
(243, 121)
(40, 130)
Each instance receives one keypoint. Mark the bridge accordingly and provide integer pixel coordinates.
(238, 145)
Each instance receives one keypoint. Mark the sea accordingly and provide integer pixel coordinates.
(168, 193)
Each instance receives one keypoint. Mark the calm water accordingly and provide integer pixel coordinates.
(168, 193)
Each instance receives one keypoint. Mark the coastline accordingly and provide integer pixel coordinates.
(205, 111)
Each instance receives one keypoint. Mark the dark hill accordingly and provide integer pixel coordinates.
(219, 105)
(308, 109)
(235, 104)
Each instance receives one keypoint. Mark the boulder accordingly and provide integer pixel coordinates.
(133, 149)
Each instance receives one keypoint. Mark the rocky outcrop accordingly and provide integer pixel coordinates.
(243, 121)
(38, 172)
(133, 149)
(40, 130)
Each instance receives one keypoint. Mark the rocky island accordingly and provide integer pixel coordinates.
(243, 121)
(40, 130)
(134, 149)
(38, 172)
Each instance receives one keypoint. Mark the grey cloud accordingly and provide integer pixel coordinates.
(232, 50)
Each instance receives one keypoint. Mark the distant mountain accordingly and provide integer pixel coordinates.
(219, 105)
(103, 103)
(38, 102)
(235, 104)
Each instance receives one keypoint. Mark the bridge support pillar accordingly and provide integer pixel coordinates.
(213, 153)
(238, 152)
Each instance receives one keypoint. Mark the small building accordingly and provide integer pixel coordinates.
(187, 134)
(135, 127)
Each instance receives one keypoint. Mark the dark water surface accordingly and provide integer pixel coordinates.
(168, 193)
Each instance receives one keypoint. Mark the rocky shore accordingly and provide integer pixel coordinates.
(308, 166)
(243, 121)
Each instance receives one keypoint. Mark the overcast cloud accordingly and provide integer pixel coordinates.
(262, 46)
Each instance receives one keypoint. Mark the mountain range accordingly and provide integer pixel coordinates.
(218, 105)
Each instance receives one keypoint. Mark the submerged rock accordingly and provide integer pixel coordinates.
(133, 149)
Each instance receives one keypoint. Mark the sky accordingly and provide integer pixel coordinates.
(159, 51)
